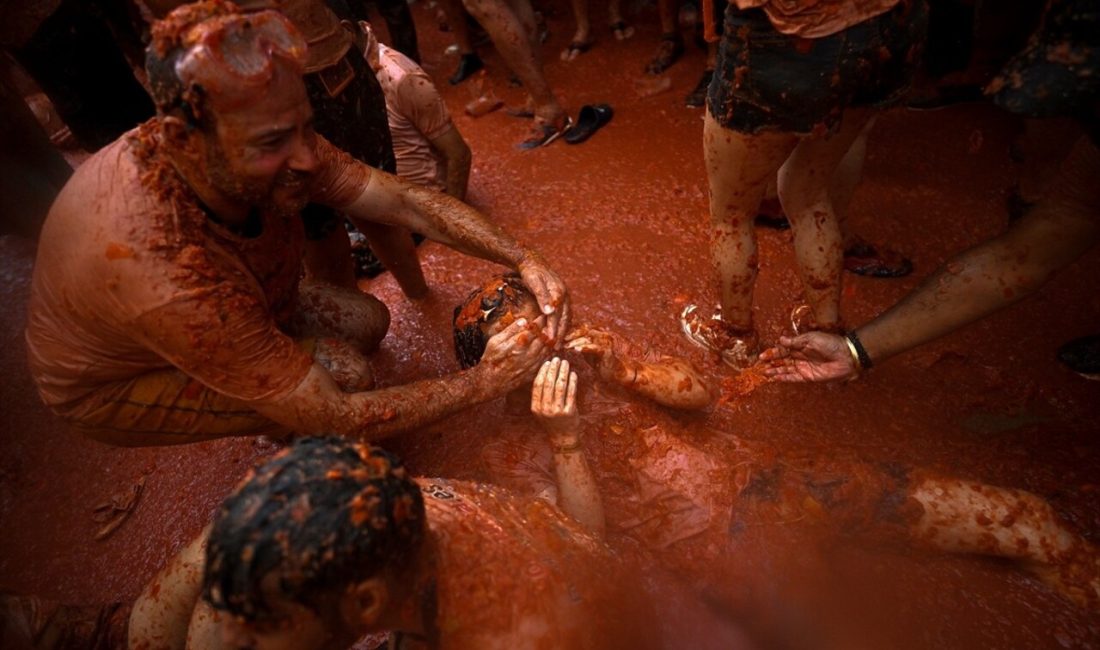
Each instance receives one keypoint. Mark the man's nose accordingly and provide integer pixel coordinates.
(304, 157)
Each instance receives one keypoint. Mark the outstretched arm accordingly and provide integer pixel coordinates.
(671, 381)
(967, 517)
(554, 403)
(977, 283)
(317, 405)
(388, 199)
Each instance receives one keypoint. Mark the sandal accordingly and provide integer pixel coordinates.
(669, 51)
(621, 30)
(575, 49)
(543, 133)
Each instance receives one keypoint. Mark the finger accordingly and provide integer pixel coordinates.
(551, 377)
(566, 314)
(508, 337)
(581, 331)
(536, 387)
(536, 283)
(578, 342)
(561, 383)
(552, 328)
(571, 394)
(772, 354)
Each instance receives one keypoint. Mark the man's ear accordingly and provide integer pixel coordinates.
(365, 603)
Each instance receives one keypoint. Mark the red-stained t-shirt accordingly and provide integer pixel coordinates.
(132, 277)
(817, 18)
(517, 572)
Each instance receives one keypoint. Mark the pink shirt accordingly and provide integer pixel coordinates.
(417, 115)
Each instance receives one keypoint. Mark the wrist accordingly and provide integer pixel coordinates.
(860, 359)
(626, 373)
(566, 445)
(528, 256)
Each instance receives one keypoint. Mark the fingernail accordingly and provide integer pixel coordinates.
(522, 322)
(548, 309)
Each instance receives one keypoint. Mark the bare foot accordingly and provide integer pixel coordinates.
(1077, 577)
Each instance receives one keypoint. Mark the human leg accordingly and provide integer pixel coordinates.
(470, 62)
(582, 38)
(804, 184)
(399, 22)
(671, 46)
(329, 311)
(968, 517)
(394, 247)
(738, 169)
(512, 34)
(615, 21)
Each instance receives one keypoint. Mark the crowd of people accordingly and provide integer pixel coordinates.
(195, 280)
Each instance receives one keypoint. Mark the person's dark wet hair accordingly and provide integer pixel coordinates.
(495, 301)
(321, 515)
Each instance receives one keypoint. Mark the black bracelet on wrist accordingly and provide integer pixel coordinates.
(861, 352)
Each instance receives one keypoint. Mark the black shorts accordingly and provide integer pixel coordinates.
(1058, 73)
(354, 120)
(769, 81)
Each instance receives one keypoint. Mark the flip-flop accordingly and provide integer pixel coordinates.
(575, 49)
(589, 120)
(543, 134)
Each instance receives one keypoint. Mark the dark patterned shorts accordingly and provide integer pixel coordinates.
(769, 81)
(1058, 73)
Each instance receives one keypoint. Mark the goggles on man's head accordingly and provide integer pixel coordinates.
(234, 52)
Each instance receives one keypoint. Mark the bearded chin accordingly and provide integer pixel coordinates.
(290, 194)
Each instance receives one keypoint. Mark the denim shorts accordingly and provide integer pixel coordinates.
(769, 81)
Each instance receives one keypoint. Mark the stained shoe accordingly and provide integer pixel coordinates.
(668, 52)
(867, 260)
(589, 120)
(543, 133)
(1082, 356)
(736, 349)
(698, 97)
(467, 65)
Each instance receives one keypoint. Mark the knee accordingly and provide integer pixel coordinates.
(802, 195)
(375, 323)
(349, 314)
